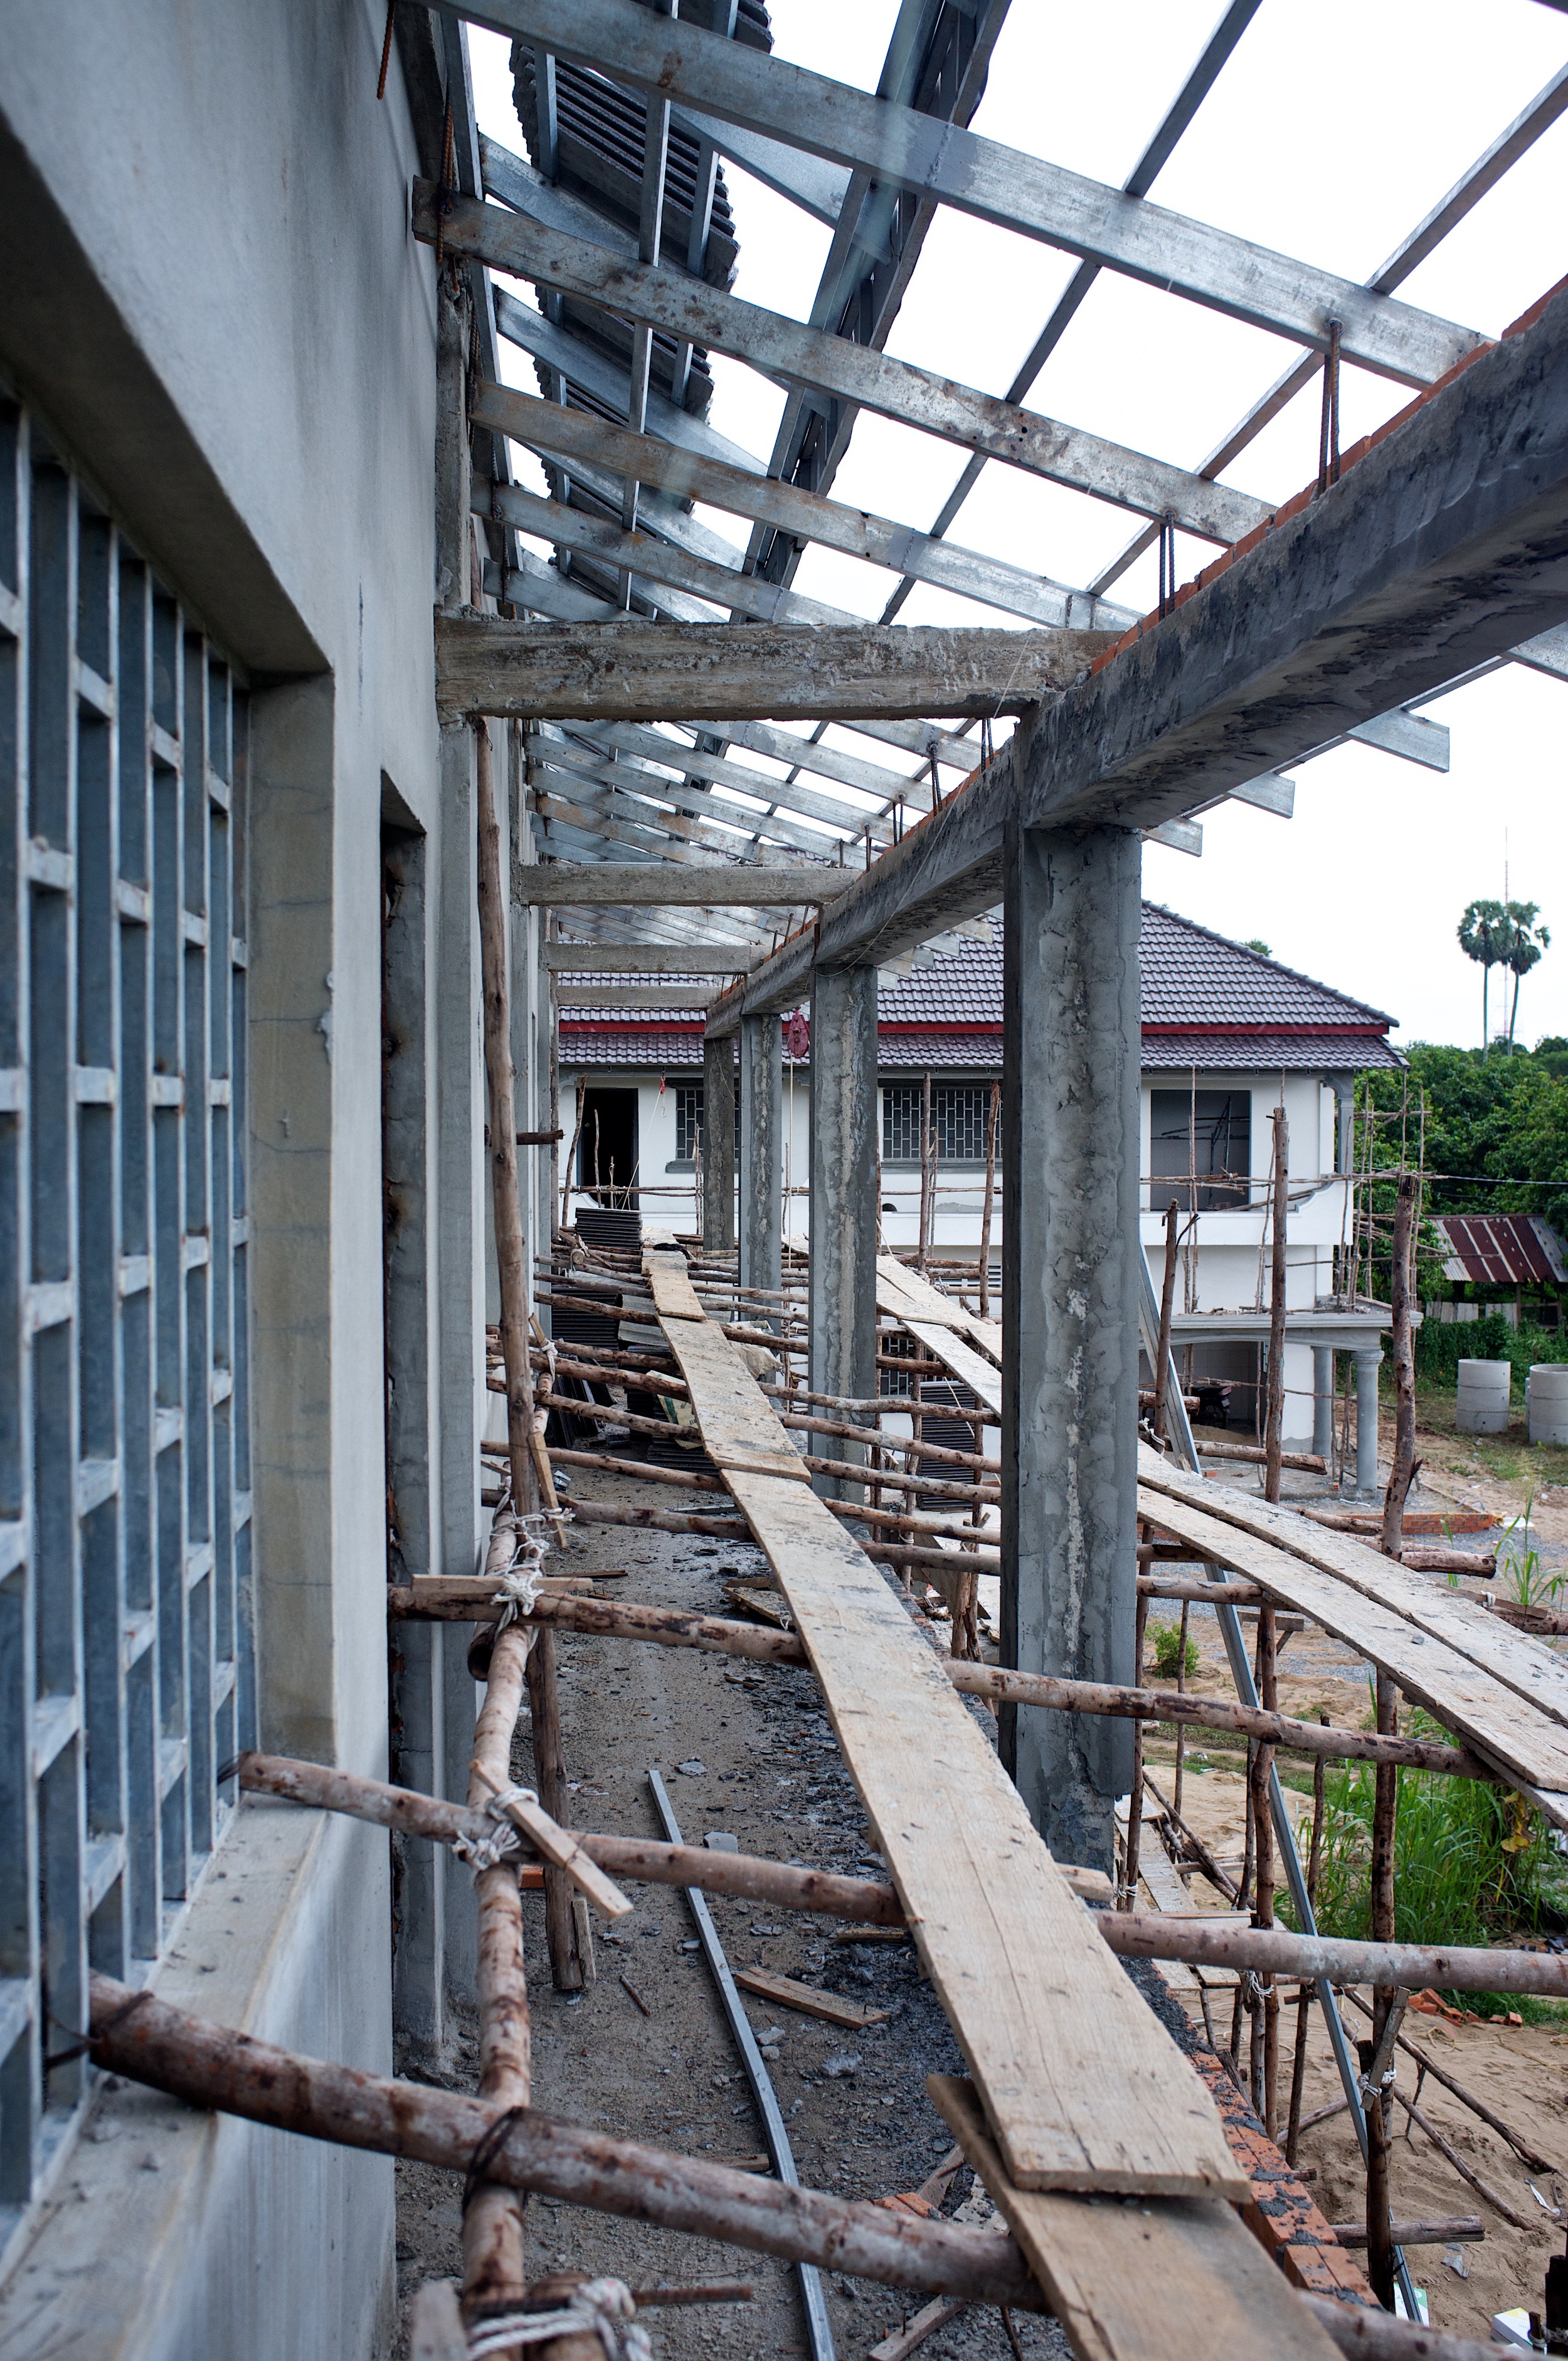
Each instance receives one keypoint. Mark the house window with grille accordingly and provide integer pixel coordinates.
(688, 1120)
(960, 1114)
(126, 1671)
(1199, 1148)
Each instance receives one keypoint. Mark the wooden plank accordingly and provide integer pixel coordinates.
(1083, 2084)
(1464, 1697)
(675, 1297)
(899, 1287)
(1159, 2281)
(1520, 1662)
(966, 1364)
(741, 1432)
(790, 1993)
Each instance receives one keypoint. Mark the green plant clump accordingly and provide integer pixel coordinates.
(1441, 1345)
(1473, 1864)
(1167, 1652)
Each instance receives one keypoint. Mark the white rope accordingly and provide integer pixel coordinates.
(489, 1852)
(521, 1577)
(600, 2307)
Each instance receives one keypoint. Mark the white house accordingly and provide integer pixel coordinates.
(1228, 1034)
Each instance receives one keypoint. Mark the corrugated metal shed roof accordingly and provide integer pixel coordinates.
(1502, 1250)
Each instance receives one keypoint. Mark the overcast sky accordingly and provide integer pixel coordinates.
(1333, 130)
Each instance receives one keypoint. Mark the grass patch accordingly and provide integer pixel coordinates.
(1167, 1652)
(1473, 1864)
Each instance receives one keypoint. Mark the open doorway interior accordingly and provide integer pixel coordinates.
(607, 1152)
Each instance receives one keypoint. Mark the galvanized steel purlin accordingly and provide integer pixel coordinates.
(126, 1672)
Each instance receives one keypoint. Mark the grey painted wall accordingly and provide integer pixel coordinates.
(209, 291)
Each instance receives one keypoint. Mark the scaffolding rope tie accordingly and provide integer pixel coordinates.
(602, 2307)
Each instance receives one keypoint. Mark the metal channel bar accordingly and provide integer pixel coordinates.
(1230, 1622)
(818, 2327)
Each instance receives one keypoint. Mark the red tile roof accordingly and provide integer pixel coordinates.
(1207, 1001)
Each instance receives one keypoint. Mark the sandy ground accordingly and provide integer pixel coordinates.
(1520, 2072)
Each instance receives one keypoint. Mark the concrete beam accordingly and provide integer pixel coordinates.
(903, 148)
(752, 885)
(1070, 1319)
(639, 959)
(806, 516)
(1443, 547)
(784, 672)
(844, 1214)
(678, 305)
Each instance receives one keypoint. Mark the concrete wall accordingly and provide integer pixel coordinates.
(208, 290)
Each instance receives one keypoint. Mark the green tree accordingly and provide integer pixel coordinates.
(1484, 932)
(1526, 941)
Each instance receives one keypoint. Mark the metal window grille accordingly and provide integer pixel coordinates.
(960, 1115)
(688, 1120)
(125, 1670)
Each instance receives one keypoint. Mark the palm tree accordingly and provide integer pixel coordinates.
(1525, 944)
(1484, 937)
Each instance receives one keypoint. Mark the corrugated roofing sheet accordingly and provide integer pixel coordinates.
(1502, 1250)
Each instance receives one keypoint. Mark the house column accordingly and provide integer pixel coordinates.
(761, 1126)
(718, 1144)
(1069, 1279)
(1367, 1364)
(843, 1193)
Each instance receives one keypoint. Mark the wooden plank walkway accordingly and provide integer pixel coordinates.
(1526, 1744)
(901, 1291)
(1155, 2282)
(1520, 1663)
(1083, 2087)
(948, 1333)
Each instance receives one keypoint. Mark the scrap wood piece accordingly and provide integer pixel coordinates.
(1281, 2214)
(558, 1845)
(1526, 1744)
(899, 2342)
(1463, 1624)
(1158, 2282)
(1085, 2087)
(787, 1992)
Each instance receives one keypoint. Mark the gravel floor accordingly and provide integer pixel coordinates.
(745, 1751)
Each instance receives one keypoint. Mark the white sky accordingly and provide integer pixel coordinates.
(1333, 130)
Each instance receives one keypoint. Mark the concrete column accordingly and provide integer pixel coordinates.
(1322, 1399)
(762, 1134)
(1366, 1367)
(718, 1143)
(1070, 1106)
(461, 1229)
(843, 1193)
